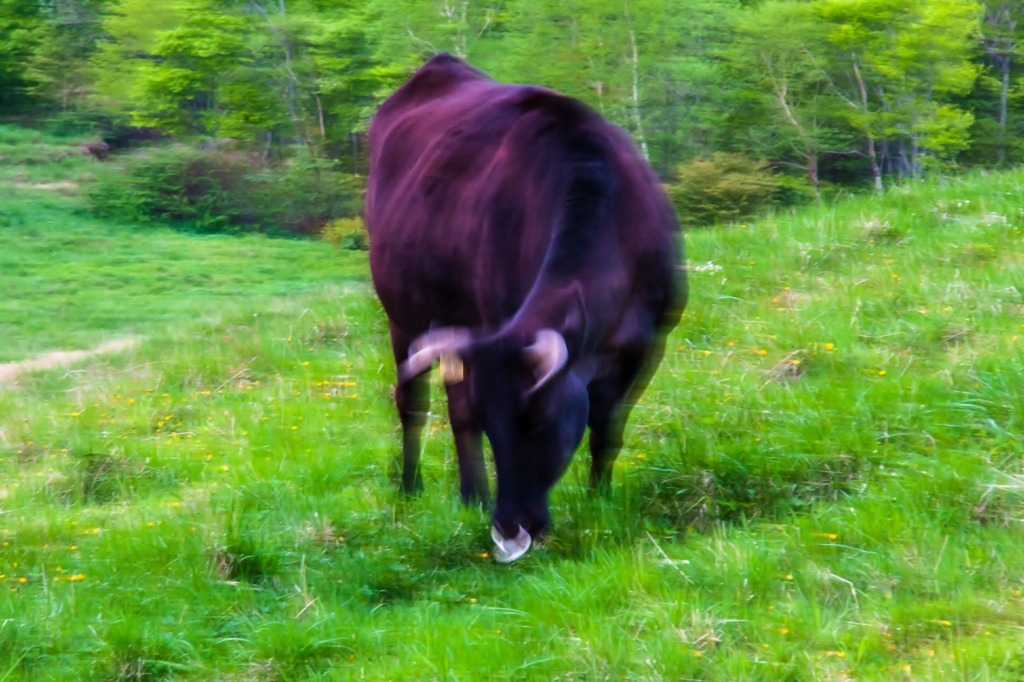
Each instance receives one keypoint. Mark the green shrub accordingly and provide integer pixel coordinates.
(795, 190)
(209, 191)
(348, 233)
(721, 189)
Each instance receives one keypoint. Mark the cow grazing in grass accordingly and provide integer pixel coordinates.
(522, 240)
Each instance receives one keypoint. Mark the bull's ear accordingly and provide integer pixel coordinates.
(548, 355)
(429, 347)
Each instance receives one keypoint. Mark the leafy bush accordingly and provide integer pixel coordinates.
(795, 190)
(348, 233)
(209, 191)
(721, 189)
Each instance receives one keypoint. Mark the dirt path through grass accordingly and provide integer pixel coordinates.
(11, 370)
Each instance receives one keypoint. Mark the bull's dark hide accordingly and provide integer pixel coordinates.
(523, 239)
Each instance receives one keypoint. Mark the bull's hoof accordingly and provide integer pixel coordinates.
(507, 551)
(601, 483)
(411, 486)
(474, 498)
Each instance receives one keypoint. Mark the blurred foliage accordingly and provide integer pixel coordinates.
(216, 191)
(854, 92)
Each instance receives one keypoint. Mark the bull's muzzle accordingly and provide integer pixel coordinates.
(507, 551)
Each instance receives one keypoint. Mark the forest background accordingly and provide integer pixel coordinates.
(752, 102)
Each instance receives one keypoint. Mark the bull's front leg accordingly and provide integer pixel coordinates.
(413, 401)
(412, 398)
(468, 435)
(605, 444)
(611, 399)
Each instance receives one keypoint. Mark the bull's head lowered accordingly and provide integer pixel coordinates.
(531, 405)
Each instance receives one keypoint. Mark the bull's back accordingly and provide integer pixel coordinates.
(467, 184)
(460, 206)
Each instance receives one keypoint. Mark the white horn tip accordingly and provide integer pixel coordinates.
(507, 551)
(549, 353)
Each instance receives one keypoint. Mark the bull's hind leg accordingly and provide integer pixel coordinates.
(412, 398)
(468, 444)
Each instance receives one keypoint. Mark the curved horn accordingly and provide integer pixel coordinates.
(426, 349)
(548, 354)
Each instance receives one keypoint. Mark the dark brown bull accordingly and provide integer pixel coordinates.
(519, 237)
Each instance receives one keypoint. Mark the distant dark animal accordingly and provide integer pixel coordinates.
(523, 240)
(98, 150)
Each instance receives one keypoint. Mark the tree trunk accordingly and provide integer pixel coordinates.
(812, 173)
(320, 112)
(290, 90)
(875, 170)
(999, 35)
(636, 88)
(905, 166)
(1003, 97)
(355, 152)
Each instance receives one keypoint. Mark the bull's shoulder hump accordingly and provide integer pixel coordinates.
(565, 113)
(437, 78)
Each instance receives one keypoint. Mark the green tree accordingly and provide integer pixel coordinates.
(197, 76)
(779, 52)
(1003, 37)
(350, 81)
(911, 57)
(20, 24)
(131, 29)
(653, 66)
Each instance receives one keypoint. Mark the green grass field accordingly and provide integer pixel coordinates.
(824, 481)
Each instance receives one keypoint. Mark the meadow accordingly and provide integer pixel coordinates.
(824, 481)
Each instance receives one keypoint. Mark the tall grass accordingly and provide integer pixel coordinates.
(824, 480)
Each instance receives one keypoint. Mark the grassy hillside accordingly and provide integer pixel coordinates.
(824, 480)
